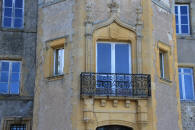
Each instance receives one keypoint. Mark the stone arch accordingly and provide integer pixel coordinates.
(127, 124)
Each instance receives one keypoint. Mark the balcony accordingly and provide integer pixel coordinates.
(115, 85)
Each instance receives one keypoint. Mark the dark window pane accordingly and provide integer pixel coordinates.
(4, 77)
(176, 9)
(179, 70)
(184, 29)
(14, 87)
(104, 58)
(19, 3)
(176, 19)
(188, 87)
(180, 87)
(16, 67)
(18, 23)
(183, 9)
(18, 13)
(8, 3)
(3, 88)
(5, 66)
(184, 19)
(122, 58)
(8, 12)
(7, 22)
(15, 77)
(187, 70)
(177, 28)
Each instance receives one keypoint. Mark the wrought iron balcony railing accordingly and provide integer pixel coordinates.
(115, 84)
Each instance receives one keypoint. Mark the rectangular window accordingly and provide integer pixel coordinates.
(10, 77)
(182, 19)
(186, 83)
(59, 61)
(164, 71)
(13, 13)
(18, 127)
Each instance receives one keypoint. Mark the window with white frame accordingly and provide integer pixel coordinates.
(182, 19)
(186, 83)
(10, 77)
(13, 13)
(164, 64)
(59, 61)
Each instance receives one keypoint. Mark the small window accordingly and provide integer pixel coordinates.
(10, 77)
(13, 12)
(186, 83)
(18, 127)
(59, 61)
(164, 72)
(182, 19)
(17, 123)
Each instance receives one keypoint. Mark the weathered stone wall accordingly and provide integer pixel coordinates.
(20, 44)
(186, 58)
(166, 91)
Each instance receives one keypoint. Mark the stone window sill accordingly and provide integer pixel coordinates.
(55, 77)
(165, 81)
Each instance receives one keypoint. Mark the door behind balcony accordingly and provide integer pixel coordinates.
(113, 62)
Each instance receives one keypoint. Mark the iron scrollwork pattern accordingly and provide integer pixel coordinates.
(115, 84)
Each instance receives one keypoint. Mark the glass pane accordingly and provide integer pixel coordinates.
(7, 22)
(14, 88)
(4, 77)
(8, 12)
(3, 88)
(122, 58)
(8, 3)
(184, 29)
(60, 61)
(184, 19)
(177, 28)
(18, 23)
(176, 9)
(18, 13)
(176, 18)
(103, 58)
(187, 70)
(16, 67)
(183, 9)
(19, 3)
(179, 70)
(5, 66)
(15, 77)
(188, 86)
(180, 87)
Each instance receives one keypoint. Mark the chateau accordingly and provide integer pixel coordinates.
(97, 65)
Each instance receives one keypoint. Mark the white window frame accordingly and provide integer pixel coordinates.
(56, 71)
(9, 75)
(113, 55)
(179, 19)
(183, 83)
(13, 15)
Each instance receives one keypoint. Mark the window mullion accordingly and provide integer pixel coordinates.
(183, 83)
(179, 19)
(112, 58)
(9, 76)
(13, 13)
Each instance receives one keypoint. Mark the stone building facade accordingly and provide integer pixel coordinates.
(185, 45)
(72, 76)
(85, 98)
(17, 62)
